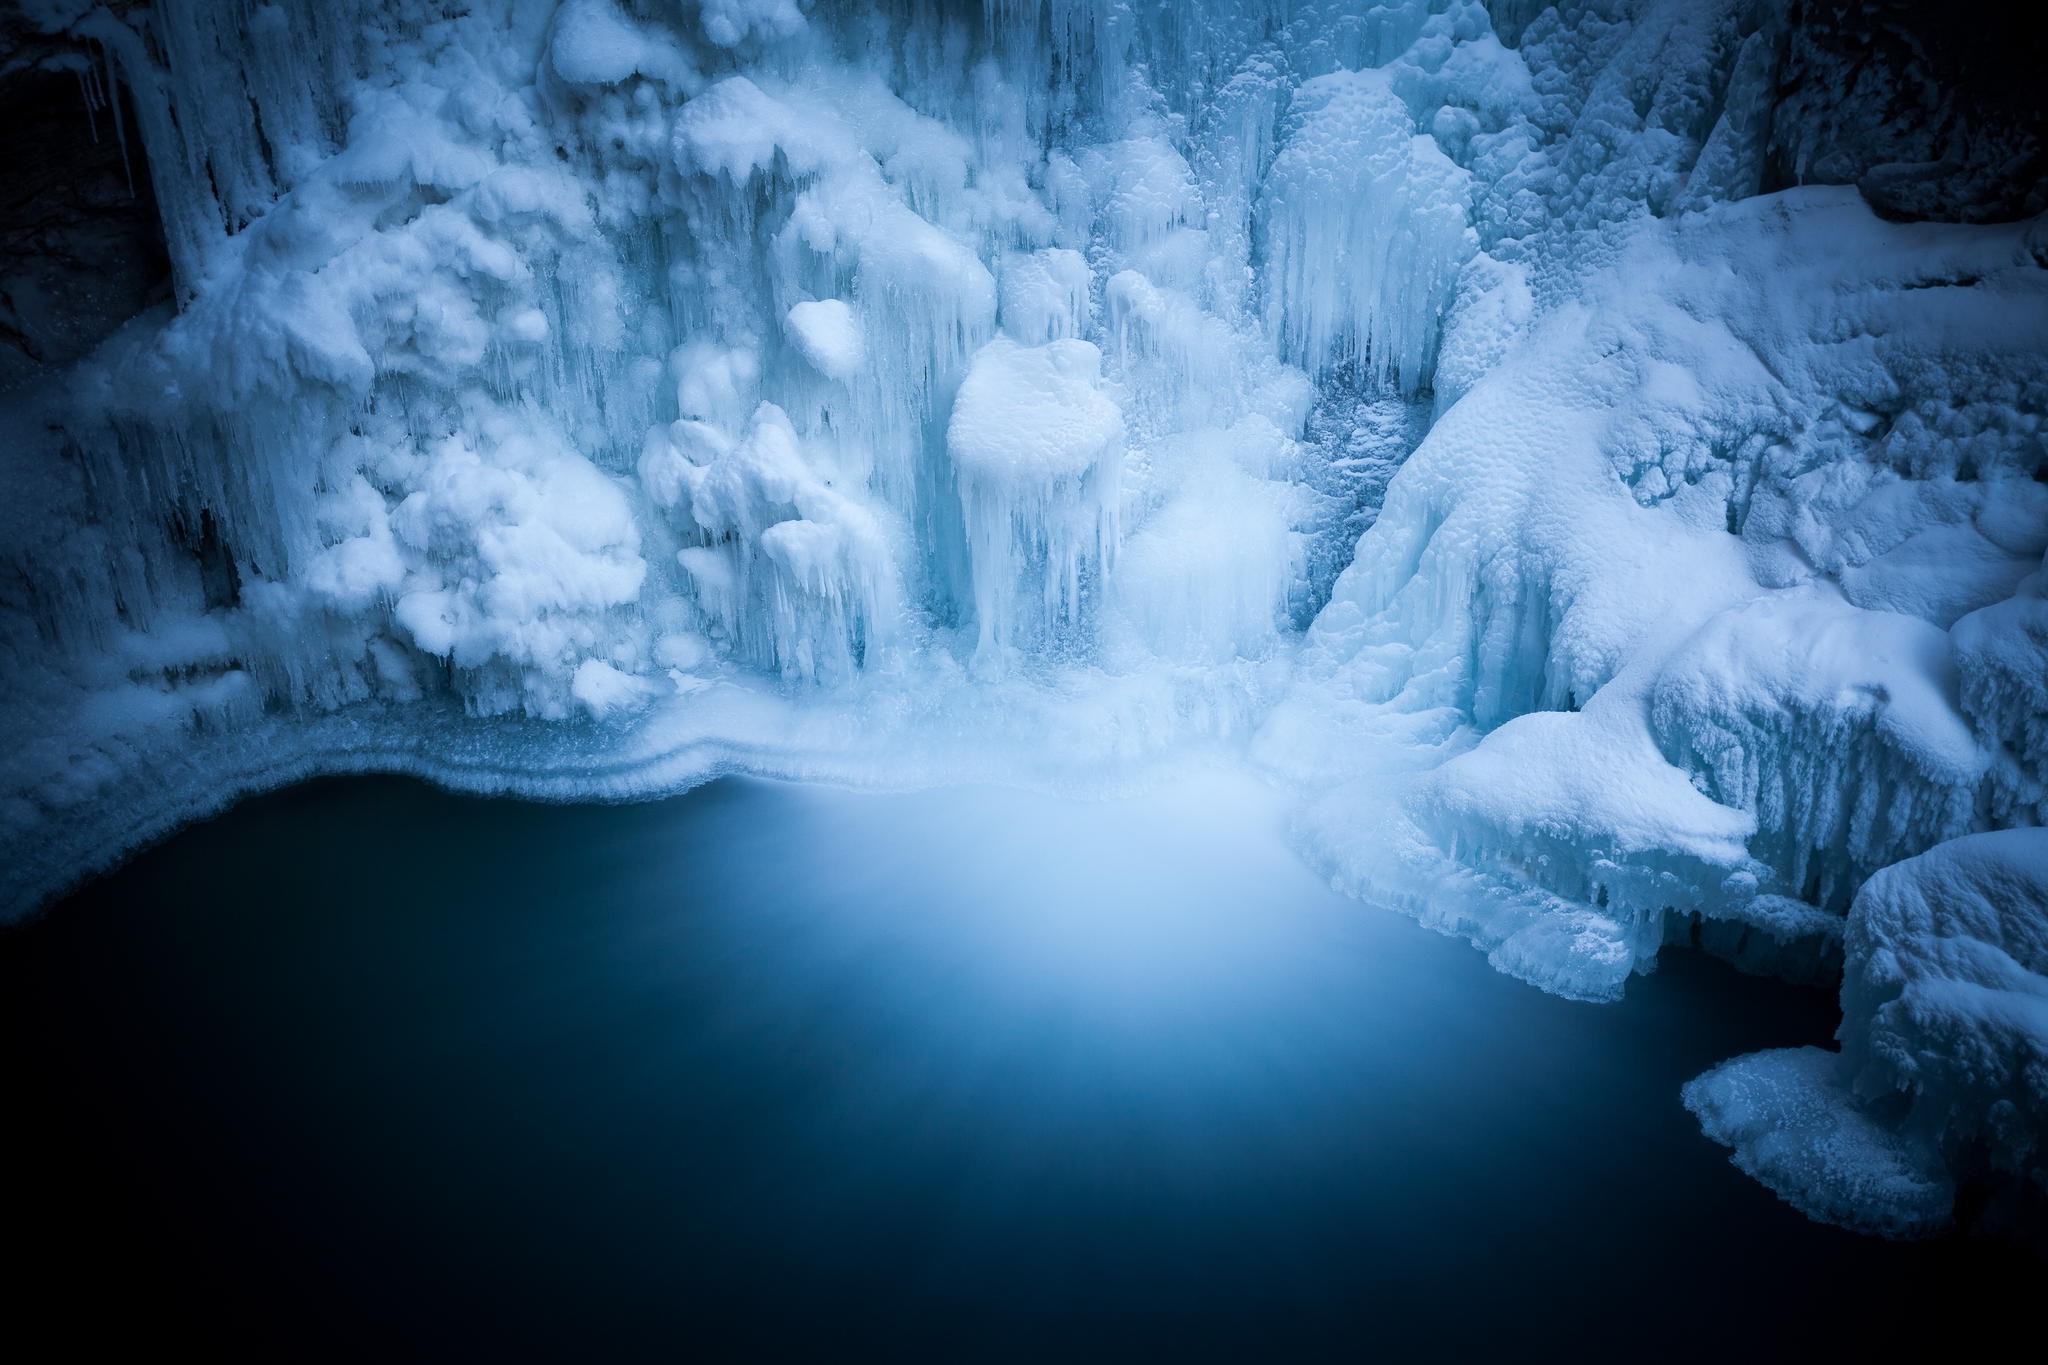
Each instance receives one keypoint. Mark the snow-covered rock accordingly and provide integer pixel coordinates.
(1942, 1078)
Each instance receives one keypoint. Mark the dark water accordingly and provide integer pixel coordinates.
(363, 1069)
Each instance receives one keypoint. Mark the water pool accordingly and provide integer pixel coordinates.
(763, 1070)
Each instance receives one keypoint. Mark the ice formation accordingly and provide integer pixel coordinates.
(1510, 425)
(1037, 454)
(1945, 1024)
(1366, 224)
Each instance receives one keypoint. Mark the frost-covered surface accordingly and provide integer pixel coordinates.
(1456, 409)
(1939, 1082)
(1674, 611)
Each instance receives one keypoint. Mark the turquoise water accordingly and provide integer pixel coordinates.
(770, 1071)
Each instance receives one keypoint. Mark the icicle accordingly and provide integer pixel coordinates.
(120, 123)
(88, 92)
(1365, 227)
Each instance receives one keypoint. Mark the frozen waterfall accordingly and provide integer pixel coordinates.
(1608, 496)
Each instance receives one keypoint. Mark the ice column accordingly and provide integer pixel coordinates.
(1037, 451)
(1364, 226)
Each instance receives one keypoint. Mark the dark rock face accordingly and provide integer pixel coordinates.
(1932, 112)
(81, 245)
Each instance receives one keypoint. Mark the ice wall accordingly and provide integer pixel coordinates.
(1463, 408)
(1679, 593)
(516, 343)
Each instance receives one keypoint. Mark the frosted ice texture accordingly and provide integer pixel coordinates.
(1944, 1043)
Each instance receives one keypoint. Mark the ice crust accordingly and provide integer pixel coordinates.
(584, 399)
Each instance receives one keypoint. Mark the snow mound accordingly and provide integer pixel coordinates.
(1942, 1080)
(828, 333)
